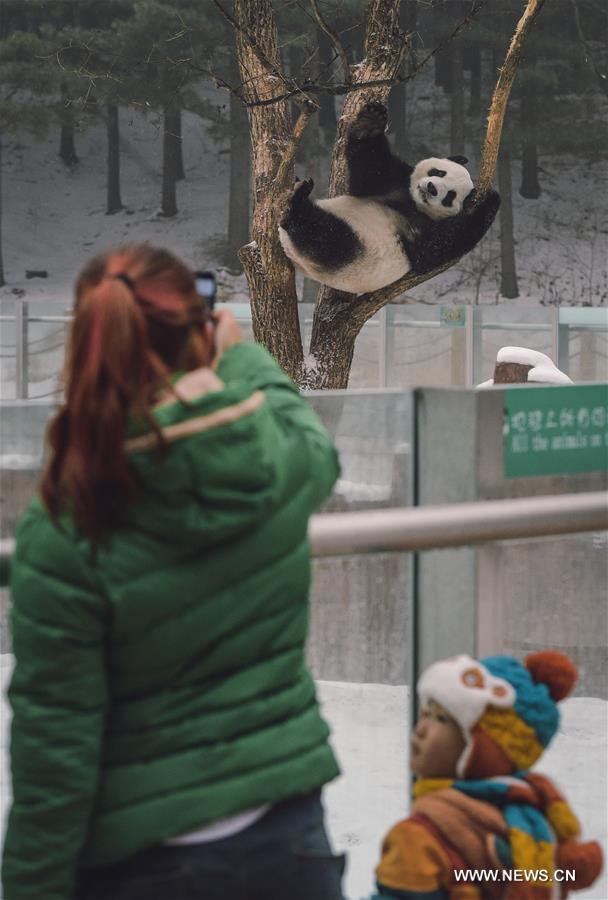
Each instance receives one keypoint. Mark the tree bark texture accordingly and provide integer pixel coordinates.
(508, 271)
(170, 150)
(114, 202)
(270, 275)
(240, 184)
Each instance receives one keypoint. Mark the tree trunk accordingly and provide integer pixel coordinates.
(338, 318)
(170, 145)
(530, 187)
(327, 110)
(270, 276)
(180, 172)
(397, 101)
(508, 272)
(295, 55)
(457, 138)
(67, 148)
(2, 281)
(240, 182)
(443, 69)
(114, 203)
(473, 58)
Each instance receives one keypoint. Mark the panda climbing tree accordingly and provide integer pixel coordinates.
(395, 218)
(426, 216)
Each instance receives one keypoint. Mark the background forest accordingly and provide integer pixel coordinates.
(117, 123)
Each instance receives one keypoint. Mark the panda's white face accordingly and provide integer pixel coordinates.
(439, 187)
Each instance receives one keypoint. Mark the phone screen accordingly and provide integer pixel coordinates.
(206, 287)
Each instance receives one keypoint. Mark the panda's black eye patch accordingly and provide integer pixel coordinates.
(437, 173)
(449, 198)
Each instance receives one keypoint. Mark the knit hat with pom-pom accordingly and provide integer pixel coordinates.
(507, 710)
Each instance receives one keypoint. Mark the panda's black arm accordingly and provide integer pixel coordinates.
(372, 169)
(452, 238)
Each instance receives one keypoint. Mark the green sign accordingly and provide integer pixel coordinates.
(555, 430)
(452, 316)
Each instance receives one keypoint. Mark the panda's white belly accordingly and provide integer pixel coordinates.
(383, 259)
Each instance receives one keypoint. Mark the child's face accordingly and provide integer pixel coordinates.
(436, 744)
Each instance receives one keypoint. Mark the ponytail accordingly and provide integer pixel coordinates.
(113, 371)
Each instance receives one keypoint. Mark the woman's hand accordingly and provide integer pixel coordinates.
(226, 333)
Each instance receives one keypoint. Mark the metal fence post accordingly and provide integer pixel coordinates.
(473, 324)
(21, 349)
(382, 359)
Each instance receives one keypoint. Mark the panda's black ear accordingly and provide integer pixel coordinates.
(462, 160)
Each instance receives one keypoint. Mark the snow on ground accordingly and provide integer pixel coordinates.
(57, 216)
(368, 722)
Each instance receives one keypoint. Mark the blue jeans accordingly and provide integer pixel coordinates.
(285, 855)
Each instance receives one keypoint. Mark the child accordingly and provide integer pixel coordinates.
(482, 726)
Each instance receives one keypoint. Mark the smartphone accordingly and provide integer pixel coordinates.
(206, 288)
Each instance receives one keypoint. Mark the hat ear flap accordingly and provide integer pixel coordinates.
(484, 758)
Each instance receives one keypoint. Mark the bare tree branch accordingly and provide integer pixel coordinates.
(350, 87)
(335, 40)
(286, 165)
(273, 70)
(500, 97)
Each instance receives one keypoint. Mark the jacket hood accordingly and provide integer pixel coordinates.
(216, 474)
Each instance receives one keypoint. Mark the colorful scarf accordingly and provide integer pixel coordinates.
(536, 815)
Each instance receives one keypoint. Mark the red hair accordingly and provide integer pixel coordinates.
(137, 318)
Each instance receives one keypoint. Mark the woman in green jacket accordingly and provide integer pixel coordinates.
(166, 737)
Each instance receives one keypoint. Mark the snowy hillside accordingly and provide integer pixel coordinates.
(57, 216)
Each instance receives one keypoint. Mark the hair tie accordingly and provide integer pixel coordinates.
(126, 279)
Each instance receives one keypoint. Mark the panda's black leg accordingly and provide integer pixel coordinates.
(452, 238)
(372, 168)
(316, 233)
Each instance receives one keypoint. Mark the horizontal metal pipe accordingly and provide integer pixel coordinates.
(456, 524)
(434, 527)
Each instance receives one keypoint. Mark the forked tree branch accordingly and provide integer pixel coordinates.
(342, 313)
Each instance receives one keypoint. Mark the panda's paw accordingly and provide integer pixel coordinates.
(371, 121)
(298, 202)
(301, 192)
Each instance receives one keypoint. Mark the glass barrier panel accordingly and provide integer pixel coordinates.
(422, 351)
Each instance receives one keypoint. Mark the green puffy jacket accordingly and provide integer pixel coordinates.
(164, 686)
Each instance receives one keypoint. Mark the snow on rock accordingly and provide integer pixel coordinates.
(543, 368)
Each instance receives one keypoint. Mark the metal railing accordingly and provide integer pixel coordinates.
(415, 529)
(456, 524)
(474, 327)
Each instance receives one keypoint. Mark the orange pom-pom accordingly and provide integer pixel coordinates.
(553, 669)
(585, 859)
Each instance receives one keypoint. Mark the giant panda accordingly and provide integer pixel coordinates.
(395, 218)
